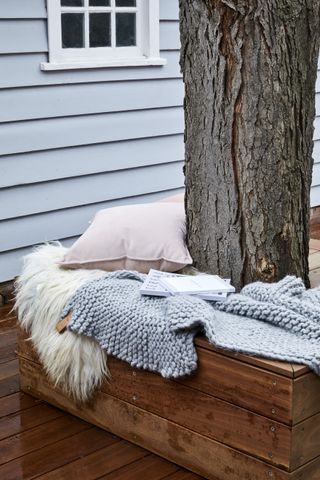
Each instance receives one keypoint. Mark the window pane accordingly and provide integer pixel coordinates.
(126, 29)
(100, 29)
(125, 3)
(99, 3)
(72, 30)
(71, 3)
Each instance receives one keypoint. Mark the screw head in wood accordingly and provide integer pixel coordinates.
(270, 474)
(273, 411)
(273, 428)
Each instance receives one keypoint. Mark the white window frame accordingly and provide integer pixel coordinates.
(146, 52)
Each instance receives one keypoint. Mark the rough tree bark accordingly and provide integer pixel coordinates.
(249, 69)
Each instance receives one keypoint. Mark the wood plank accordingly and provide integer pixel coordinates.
(27, 419)
(244, 385)
(9, 385)
(283, 368)
(313, 242)
(306, 397)
(201, 413)
(9, 369)
(191, 450)
(8, 343)
(94, 465)
(315, 278)
(305, 441)
(141, 469)
(55, 455)
(182, 475)
(307, 472)
(17, 402)
(40, 436)
(314, 261)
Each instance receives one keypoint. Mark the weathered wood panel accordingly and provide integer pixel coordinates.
(196, 452)
(201, 412)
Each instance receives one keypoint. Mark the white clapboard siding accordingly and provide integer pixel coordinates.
(22, 70)
(44, 227)
(30, 35)
(43, 166)
(71, 192)
(81, 99)
(83, 130)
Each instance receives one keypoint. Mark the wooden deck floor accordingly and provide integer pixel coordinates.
(40, 441)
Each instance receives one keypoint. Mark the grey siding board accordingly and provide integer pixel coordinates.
(66, 193)
(81, 99)
(169, 9)
(23, 36)
(11, 262)
(71, 131)
(19, 233)
(73, 142)
(23, 71)
(315, 196)
(23, 9)
(28, 168)
(316, 151)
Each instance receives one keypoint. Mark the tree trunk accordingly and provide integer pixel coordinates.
(249, 69)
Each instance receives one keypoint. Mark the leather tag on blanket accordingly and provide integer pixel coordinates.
(62, 324)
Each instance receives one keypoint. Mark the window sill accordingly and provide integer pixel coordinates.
(123, 62)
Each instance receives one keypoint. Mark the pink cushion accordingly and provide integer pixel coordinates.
(178, 198)
(133, 237)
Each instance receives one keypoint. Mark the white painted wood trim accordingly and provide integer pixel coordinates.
(147, 51)
(123, 62)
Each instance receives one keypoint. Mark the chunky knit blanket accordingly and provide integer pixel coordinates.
(279, 321)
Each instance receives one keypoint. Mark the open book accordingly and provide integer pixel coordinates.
(207, 287)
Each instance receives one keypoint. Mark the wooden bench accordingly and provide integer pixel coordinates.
(236, 418)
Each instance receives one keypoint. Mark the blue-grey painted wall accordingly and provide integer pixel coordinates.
(72, 142)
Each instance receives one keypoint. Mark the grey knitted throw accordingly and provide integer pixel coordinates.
(279, 321)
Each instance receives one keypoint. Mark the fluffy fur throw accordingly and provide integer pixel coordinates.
(77, 363)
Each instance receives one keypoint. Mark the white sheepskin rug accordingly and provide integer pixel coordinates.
(76, 363)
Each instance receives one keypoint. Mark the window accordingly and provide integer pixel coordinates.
(99, 33)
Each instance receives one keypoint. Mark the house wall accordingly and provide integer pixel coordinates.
(72, 142)
(315, 191)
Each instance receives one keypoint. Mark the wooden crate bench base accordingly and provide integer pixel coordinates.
(236, 418)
